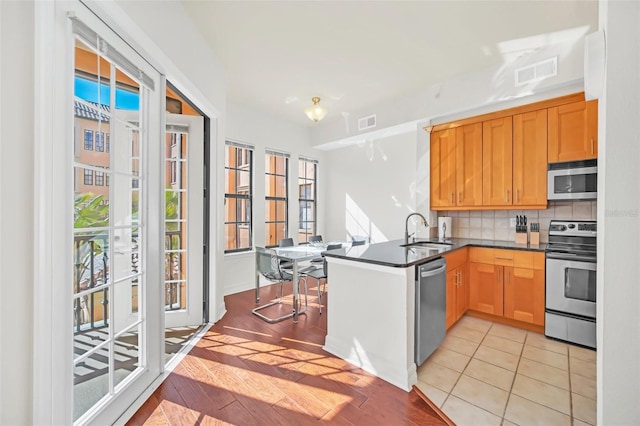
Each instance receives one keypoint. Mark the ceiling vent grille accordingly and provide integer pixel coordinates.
(367, 122)
(536, 72)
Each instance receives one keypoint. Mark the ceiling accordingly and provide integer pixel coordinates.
(277, 55)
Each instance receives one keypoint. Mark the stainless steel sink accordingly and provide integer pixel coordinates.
(438, 245)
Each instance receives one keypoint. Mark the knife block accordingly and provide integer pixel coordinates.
(521, 238)
(534, 239)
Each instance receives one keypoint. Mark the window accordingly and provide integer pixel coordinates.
(276, 197)
(99, 178)
(100, 141)
(307, 175)
(238, 168)
(88, 177)
(88, 140)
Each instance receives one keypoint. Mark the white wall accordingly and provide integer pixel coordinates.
(478, 92)
(180, 53)
(244, 124)
(16, 227)
(372, 187)
(618, 295)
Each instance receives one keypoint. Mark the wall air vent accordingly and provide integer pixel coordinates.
(367, 122)
(537, 72)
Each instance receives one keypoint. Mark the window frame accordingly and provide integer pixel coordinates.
(99, 141)
(304, 181)
(274, 155)
(88, 147)
(246, 152)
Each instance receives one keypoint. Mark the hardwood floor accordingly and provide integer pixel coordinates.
(245, 371)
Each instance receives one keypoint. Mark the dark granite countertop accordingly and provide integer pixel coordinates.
(392, 253)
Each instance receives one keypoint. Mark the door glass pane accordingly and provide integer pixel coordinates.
(580, 284)
(176, 244)
(108, 230)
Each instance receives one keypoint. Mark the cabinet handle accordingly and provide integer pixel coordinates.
(508, 278)
(459, 197)
(591, 146)
(498, 275)
(452, 199)
(507, 196)
(504, 258)
(517, 195)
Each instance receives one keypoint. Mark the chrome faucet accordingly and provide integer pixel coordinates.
(406, 225)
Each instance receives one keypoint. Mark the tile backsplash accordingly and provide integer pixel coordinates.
(494, 224)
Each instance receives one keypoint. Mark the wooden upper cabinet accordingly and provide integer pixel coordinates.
(497, 162)
(530, 158)
(443, 167)
(573, 131)
(469, 165)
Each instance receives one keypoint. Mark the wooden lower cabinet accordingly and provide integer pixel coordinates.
(457, 286)
(524, 295)
(510, 286)
(485, 293)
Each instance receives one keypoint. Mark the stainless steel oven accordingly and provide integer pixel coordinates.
(570, 307)
(574, 180)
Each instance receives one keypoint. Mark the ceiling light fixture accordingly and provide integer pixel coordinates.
(315, 112)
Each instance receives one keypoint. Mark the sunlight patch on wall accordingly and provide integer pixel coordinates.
(358, 224)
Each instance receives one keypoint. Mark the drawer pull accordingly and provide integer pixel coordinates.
(505, 258)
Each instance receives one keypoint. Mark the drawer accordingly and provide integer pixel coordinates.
(481, 255)
(503, 257)
(456, 258)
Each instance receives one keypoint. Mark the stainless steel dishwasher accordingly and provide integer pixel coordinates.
(431, 304)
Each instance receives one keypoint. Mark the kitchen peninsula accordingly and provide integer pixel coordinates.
(371, 303)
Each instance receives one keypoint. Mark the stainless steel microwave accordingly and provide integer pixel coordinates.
(573, 180)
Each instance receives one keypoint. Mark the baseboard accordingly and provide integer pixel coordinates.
(239, 287)
(400, 377)
(506, 321)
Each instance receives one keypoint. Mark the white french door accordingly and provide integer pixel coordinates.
(184, 220)
(118, 199)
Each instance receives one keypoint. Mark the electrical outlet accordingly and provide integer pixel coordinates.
(512, 222)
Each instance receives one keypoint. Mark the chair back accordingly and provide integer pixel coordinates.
(267, 264)
(285, 242)
(315, 239)
(324, 258)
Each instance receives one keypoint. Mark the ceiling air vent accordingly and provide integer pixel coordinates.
(367, 122)
(538, 71)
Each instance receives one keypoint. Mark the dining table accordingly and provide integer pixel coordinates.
(295, 255)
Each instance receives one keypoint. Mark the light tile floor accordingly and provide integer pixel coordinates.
(486, 373)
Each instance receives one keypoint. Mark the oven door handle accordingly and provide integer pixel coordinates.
(571, 256)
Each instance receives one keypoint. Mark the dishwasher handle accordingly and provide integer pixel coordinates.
(433, 272)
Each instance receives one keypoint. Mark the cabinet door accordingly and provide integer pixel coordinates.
(573, 131)
(443, 164)
(497, 162)
(462, 292)
(452, 290)
(524, 295)
(485, 292)
(530, 158)
(469, 165)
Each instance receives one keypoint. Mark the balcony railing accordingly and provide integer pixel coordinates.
(91, 252)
